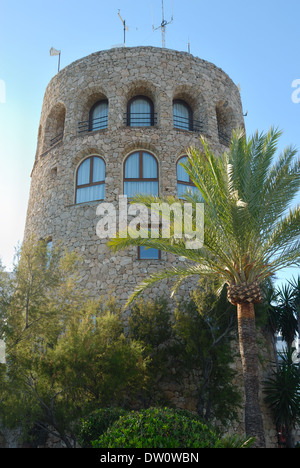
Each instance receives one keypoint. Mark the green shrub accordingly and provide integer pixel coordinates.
(158, 428)
(96, 424)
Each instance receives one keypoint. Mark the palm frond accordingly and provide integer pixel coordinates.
(246, 192)
(179, 273)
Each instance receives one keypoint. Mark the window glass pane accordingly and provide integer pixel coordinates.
(149, 167)
(132, 167)
(100, 116)
(181, 172)
(181, 116)
(182, 189)
(140, 113)
(83, 174)
(149, 253)
(98, 170)
(95, 192)
(134, 188)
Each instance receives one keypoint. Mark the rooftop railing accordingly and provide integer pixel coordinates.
(140, 119)
(224, 139)
(186, 123)
(56, 139)
(93, 125)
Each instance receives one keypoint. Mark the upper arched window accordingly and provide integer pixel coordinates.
(98, 117)
(225, 122)
(184, 182)
(90, 180)
(140, 174)
(182, 115)
(54, 127)
(140, 112)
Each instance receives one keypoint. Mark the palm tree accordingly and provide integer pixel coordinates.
(295, 283)
(250, 232)
(287, 314)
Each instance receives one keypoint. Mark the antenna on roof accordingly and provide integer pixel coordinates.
(163, 24)
(124, 24)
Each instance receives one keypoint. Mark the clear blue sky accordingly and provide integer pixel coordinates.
(256, 43)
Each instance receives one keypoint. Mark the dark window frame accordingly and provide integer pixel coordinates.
(141, 170)
(91, 183)
(130, 102)
(139, 249)
(149, 259)
(91, 115)
(189, 109)
(183, 181)
(141, 179)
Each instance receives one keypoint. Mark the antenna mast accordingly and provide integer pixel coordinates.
(124, 24)
(163, 24)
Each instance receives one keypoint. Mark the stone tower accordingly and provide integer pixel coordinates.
(118, 122)
(114, 123)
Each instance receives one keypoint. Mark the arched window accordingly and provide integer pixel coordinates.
(54, 128)
(225, 122)
(98, 117)
(140, 174)
(182, 115)
(140, 112)
(90, 180)
(184, 182)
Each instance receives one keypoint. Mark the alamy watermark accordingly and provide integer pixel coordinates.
(2, 92)
(178, 220)
(296, 352)
(296, 93)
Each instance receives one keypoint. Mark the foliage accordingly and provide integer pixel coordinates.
(163, 428)
(93, 426)
(196, 338)
(287, 313)
(65, 355)
(150, 324)
(205, 325)
(236, 441)
(157, 428)
(282, 391)
(250, 232)
(295, 283)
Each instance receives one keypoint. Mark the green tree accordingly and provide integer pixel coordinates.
(287, 314)
(295, 283)
(282, 391)
(65, 354)
(194, 342)
(248, 235)
(205, 327)
(150, 324)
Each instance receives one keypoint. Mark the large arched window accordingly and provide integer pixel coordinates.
(140, 112)
(98, 117)
(140, 174)
(182, 115)
(90, 180)
(184, 182)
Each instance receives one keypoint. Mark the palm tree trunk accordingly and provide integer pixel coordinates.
(249, 355)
